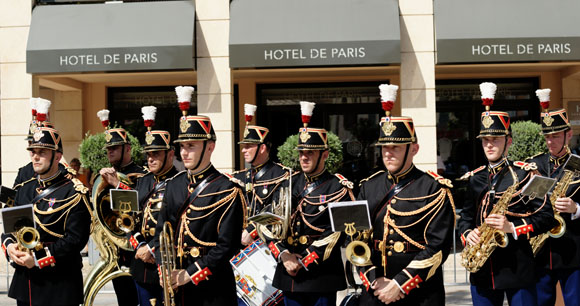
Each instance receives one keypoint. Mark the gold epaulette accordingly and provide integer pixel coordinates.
(69, 169)
(441, 180)
(370, 177)
(534, 156)
(526, 166)
(469, 174)
(79, 186)
(234, 180)
(344, 181)
(25, 182)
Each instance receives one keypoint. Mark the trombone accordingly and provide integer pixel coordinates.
(167, 264)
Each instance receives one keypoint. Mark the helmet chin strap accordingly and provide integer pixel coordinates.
(564, 144)
(503, 155)
(202, 154)
(50, 166)
(407, 147)
(317, 163)
(255, 154)
(119, 163)
(164, 162)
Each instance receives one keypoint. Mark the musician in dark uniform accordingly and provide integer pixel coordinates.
(206, 211)
(264, 177)
(559, 259)
(412, 215)
(151, 189)
(508, 271)
(310, 269)
(51, 273)
(118, 149)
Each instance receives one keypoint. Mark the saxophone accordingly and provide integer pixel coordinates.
(557, 231)
(473, 257)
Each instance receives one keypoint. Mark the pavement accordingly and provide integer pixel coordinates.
(455, 276)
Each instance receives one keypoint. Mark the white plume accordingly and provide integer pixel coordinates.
(250, 109)
(149, 112)
(184, 93)
(388, 92)
(42, 105)
(543, 94)
(307, 108)
(487, 90)
(103, 114)
(33, 102)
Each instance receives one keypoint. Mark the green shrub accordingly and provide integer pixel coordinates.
(288, 155)
(527, 140)
(93, 156)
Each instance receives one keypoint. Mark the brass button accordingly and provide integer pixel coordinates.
(298, 223)
(188, 211)
(399, 247)
(194, 251)
(152, 231)
(391, 232)
(304, 204)
(389, 253)
(185, 244)
(303, 239)
(393, 201)
(391, 241)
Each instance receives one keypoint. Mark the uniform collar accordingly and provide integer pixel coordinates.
(396, 178)
(125, 166)
(559, 161)
(259, 167)
(49, 180)
(196, 177)
(314, 178)
(163, 176)
(495, 169)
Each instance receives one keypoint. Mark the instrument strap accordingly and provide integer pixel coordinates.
(311, 188)
(395, 189)
(208, 180)
(50, 190)
(263, 171)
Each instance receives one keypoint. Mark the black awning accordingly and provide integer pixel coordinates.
(283, 33)
(111, 37)
(507, 31)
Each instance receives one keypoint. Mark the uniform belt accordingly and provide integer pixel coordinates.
(196, 251)
(304, 239)
(397, 246)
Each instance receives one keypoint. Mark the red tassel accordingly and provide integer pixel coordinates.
(105, 123)
(545, 104)
(33, 112)
(249, 118)
(40, 117)
(149, 123)
(487, 101)
(184, 105)
(305, 119)
(387, 105)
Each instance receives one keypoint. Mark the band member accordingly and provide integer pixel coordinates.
(412, 215)
(39, 108)
(559, 258)
(206, 211)
(509, 270)
(118, 149)
(151, 188)
(310, 270)
(264, 177)
(50, 274)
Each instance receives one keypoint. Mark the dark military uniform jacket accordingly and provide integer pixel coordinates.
(261, 187)
(512, 266)
(563, 252)
(413, 218)
(63, 221)
(27, 172)
(206, 213)
(151, 189)
(311, 235)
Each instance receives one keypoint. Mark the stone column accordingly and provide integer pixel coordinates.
(214, 79)
(417, 91)
(15, 87)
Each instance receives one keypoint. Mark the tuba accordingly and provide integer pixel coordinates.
(109, 230)
(475, 256)
(557, 231)
(282, 208)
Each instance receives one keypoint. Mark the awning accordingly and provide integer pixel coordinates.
(289, 33)
(507, 31)
(111, 37)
